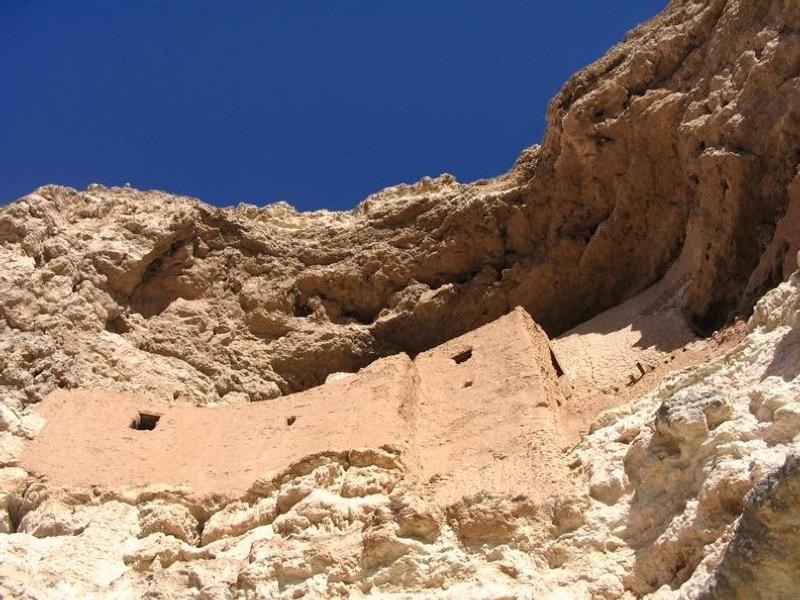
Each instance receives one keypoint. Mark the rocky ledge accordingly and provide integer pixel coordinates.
(577, 379)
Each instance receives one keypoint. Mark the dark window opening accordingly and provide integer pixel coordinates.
(145, 422)
(556, 365)
(462, 356)
(467, 384)
(290, 420)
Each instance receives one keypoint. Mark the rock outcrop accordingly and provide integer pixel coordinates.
(763, 555)
(690, 491)
(662, 205)
(675, 155)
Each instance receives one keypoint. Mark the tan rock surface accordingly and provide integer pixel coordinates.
(676, 149)
(663, 202)
(655, 494)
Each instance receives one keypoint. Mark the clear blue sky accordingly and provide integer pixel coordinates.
(318, 103)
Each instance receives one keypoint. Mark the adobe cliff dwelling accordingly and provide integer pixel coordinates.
(578, 379)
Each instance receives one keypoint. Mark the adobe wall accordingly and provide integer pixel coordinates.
(88, 439)
(481, 405)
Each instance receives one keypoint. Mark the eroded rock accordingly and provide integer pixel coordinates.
(666, 188)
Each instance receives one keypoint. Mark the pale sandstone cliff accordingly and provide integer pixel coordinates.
(666, 189)
(690, 491)
(678, 149)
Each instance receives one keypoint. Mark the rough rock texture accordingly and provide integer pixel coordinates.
(670, 472)
(678, 149)
(765, 550)
(663, 202)
(691, 491)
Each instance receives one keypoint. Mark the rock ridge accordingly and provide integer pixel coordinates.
(665, 156)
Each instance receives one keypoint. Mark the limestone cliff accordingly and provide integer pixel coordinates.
(677, 149)
(662, 204)
(688, 492)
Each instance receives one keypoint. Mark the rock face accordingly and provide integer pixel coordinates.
(455, 451)
(688, 492)
(685, 457)
(675, 154)
(764, 552)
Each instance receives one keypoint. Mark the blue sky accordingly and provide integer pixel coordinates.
(317, 103)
